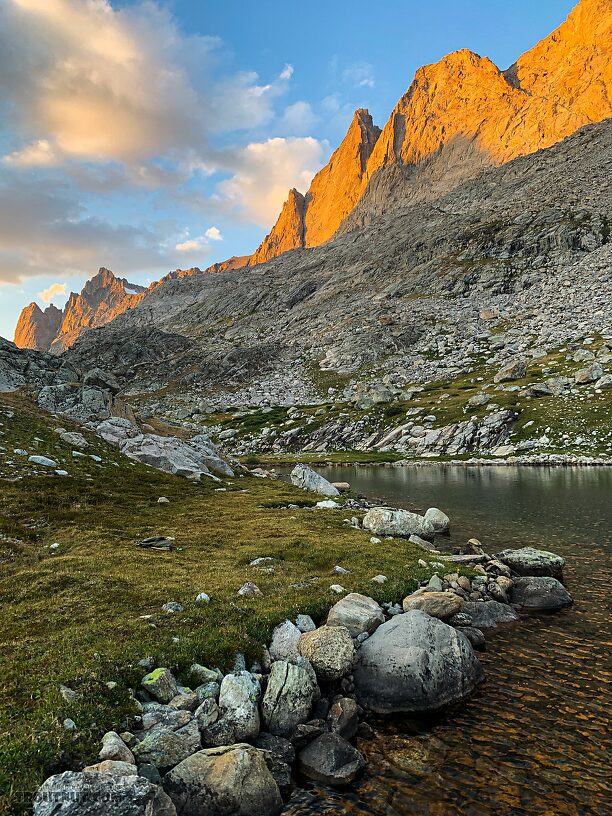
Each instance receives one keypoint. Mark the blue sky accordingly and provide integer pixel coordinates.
(148, 136)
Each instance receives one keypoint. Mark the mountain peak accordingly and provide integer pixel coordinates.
(37, 329)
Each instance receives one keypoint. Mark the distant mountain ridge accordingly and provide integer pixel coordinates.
(101, 300)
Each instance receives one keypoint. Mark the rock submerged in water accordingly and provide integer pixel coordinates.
(489, 614)
(82, 794)
(230, 780)
(332, 760)
(545, 593)
(383, 521)
(306, 478)
(530, 561)
(415, 663)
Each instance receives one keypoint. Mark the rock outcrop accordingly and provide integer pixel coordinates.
(37, 329)
(287, 233)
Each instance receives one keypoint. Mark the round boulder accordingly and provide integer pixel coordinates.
(222, 781)
(415, 663)
(357, 613)
(330, 650)
(440, 521)
(539, 593)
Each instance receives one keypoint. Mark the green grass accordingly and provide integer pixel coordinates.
(74, 618)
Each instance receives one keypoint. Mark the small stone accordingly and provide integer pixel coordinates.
(202, 598)
(172, 606)
(305, 623)
(69, 725)
(163, 500)
(250, 590)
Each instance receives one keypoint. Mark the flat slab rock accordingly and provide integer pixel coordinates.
(529, 561)
(94, 794)
(488, 614)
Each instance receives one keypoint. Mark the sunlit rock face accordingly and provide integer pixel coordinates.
(37, 329)
(102, 299)
(460, 116)
(287, 233)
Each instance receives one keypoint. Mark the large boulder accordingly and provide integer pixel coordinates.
(330, 650)
(238, 704)
(172, 455)
(94, 793)
(383, 521)
(539, 593)
(530, 561)
(226, 781)
(292, 689)
(415, 663)
(357, 613)
(306, 478)
(441, 605)
(488, 614)
(330, 759)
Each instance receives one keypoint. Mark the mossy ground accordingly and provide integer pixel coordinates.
(75, 617)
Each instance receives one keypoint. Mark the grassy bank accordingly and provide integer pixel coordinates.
(76, 617)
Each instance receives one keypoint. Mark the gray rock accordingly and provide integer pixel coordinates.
(305, 623)
(357, 613)
(475, 636)
(330, 650)
(204, 675)
(113, 747)
(539, 593)
(514, 370)
(250, 590)
(225, 781)
(43, 461)
(332, 760)
(101, 379)
(93, 794)
(439, 520)
(207, 714)
(383, 521)
(112, 766)
(306, 478)
(285, 640)
(165, 748)
(488, 614)
(588, 375)
(415, 663)
(160, 684)
(238, 703)
(530, 561)
(343, 717)
(292, 689)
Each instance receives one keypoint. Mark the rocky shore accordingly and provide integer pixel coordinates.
(216, 744)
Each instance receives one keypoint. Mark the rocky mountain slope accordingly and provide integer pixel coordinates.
(102, 299)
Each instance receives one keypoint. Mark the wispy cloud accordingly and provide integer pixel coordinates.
(53, 291)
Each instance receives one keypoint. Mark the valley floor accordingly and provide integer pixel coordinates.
(82, 603)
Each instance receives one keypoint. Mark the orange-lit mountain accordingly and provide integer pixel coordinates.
(459, 116)
(100, 301)
(37, 329)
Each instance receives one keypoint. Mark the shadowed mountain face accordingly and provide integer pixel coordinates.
(102, 299)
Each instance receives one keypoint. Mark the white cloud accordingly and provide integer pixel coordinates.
(87, 81)
(266, 171)
(53, 291)
(38, 154)
(214, 234)
(298, 118)
(191, 245)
